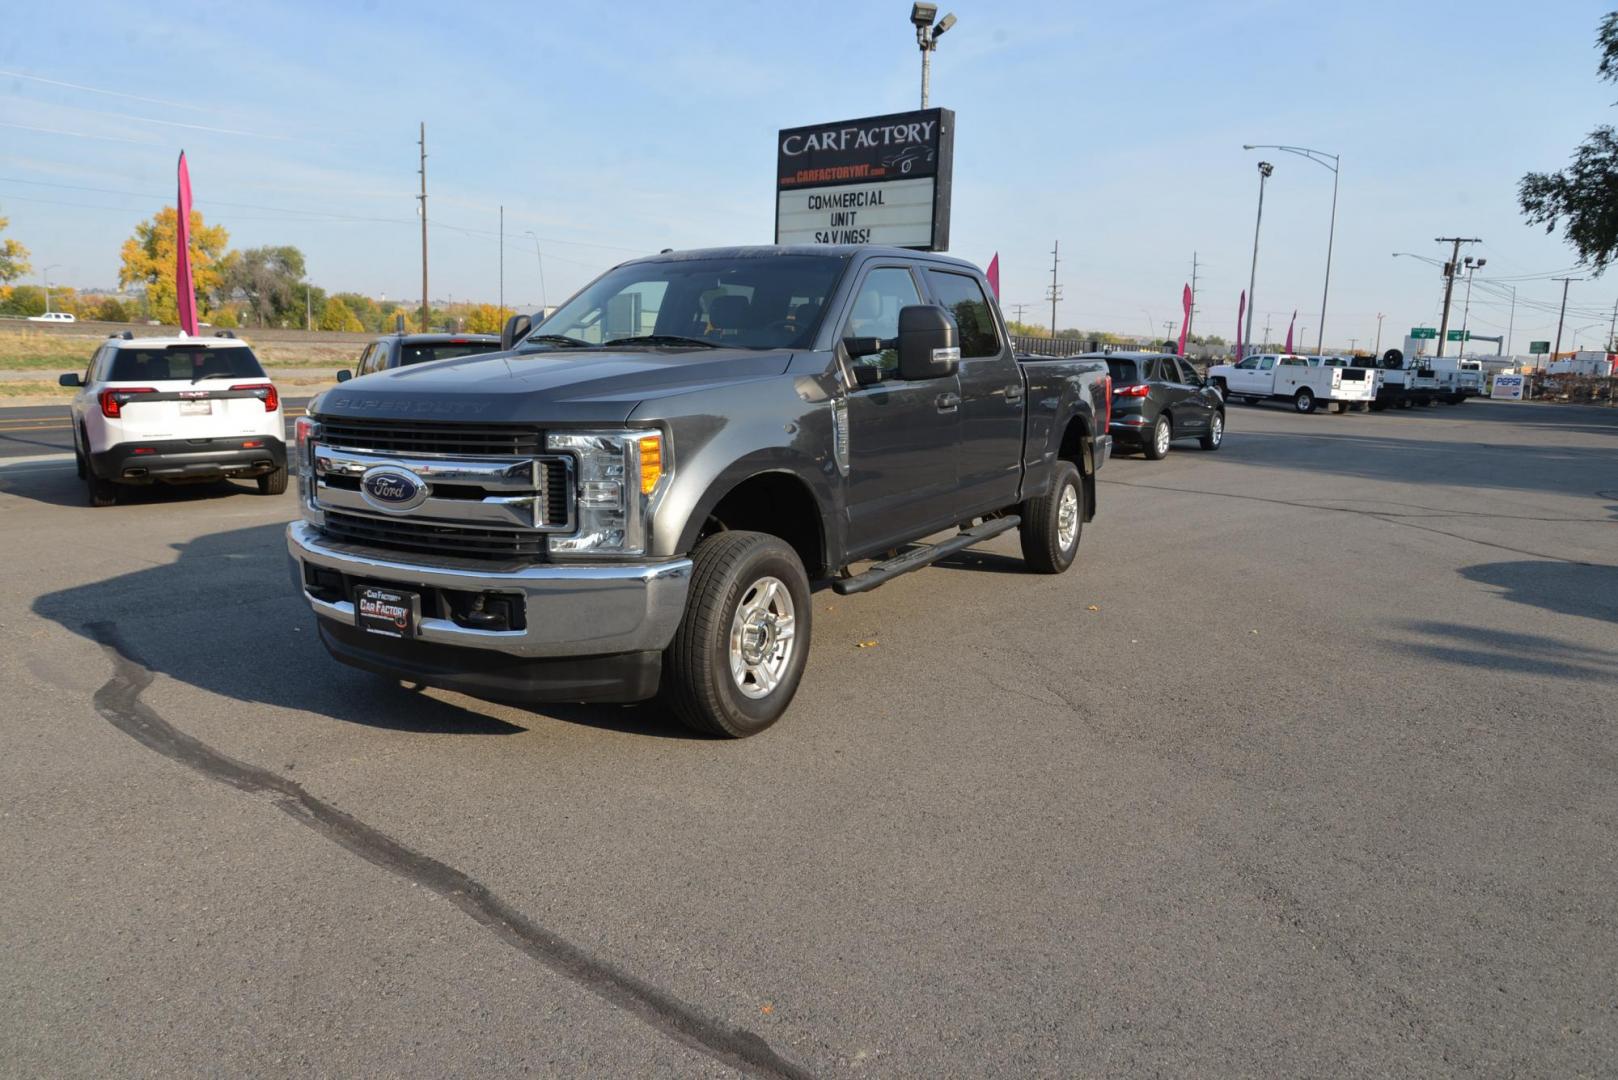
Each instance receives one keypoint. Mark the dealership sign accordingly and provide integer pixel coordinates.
(881, 180)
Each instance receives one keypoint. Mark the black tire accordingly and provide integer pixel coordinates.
(1304, 400)
(100, 492)
(273, 483)
(1224, 391)
(79, 462)
(697, 681)
(1216, 432)
(1406, 403)
(1156, 447)
(1363, 406)
(1041, 528)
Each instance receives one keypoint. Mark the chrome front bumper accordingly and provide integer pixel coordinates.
(571, 610)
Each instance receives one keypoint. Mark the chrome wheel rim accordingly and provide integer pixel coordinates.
(1218, 430)
(1067, 517)
(1304, 401)
(1162, 437)
(763, 634)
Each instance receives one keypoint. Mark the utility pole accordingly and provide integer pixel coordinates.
(1168, 329)
(1191, 316)
(1266, 328)
(426, 310)
(1566, 281)
(502, 263)
(1379, 317)
(1511, 324)
(1019, 309)
(1054, 293)
(1353, 341)
(1449, 280)
(1613, 329)
(308, 316)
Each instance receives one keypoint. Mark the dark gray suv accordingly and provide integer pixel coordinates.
(400, 350)
(1158, 398)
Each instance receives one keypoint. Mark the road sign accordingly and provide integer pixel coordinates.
(1424, 332)
(1458, 335)
(1538, 347)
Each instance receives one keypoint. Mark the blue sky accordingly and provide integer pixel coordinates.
(608, 132)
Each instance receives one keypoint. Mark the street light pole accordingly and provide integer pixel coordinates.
(1379, 317)
(927, 35)
(541, 259)
(1335, 165)
(1264, 171)
(46, 274)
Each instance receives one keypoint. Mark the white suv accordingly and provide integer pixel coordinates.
(176, 410)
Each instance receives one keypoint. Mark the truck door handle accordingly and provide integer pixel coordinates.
(948, 402)
(1014, 392)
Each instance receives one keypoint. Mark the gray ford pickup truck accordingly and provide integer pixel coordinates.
(633, 498)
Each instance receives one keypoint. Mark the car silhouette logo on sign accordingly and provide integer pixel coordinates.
(393, 490)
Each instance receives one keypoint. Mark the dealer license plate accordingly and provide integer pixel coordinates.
(390, 612)
(196, 408)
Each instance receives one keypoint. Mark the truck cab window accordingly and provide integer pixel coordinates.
(876, 313)
(964, 298)
(1267, 363)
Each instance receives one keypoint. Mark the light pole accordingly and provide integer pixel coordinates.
(927, 35)
(46, 274)
(1581, 330)
(1264, 171)
(1472, 267)
(1319, 157)
(541, 260)
(1378, 350)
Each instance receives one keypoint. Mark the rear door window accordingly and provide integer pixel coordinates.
(188, 362)
(964, 298)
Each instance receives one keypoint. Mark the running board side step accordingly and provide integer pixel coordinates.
(925, 555)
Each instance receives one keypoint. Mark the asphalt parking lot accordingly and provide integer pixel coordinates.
(1306, 769)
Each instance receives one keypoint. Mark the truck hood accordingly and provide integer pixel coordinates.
(560, 386)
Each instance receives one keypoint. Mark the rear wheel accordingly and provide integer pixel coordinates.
(1224, 391)
(1304, 400)
(739, 653)
(1053, 523)
(273, 483)
(100, 492)
(1216, 432)
(1157, 443)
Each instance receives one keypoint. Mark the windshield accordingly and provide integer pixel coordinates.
(184, 362)
(443, 350)
(758, 302)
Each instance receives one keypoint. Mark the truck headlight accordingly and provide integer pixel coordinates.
(618, 474)
(305, 432)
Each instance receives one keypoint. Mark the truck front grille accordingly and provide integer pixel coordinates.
(429, 538)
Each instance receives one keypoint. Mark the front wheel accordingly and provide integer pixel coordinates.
(740, 650)
(1216, 432)
(1052, 523)
(1304, 402)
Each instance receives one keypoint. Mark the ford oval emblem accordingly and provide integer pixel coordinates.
(393, 490)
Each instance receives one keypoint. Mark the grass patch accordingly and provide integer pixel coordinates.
(35, 351)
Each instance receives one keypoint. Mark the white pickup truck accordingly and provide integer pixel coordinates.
(1287, 377)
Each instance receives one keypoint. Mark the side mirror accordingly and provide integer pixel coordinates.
(344, 375)
(866, 374)
(515, 330)
(929, 347)
(70, 379)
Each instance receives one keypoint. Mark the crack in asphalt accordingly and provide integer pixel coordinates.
(118, 702)
(1388, 518)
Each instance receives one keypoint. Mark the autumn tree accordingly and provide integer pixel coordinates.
(149, 260)
(484, 319)
(337, 316)
(364, 308)
(1583, 198)
(13, 258)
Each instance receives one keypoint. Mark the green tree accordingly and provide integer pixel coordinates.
(13, 258)
(1583, 198)
(337, 316)
(270, 279)
(23, 300)
(364, 308)
(149, 259)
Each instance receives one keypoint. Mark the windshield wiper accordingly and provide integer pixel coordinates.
(557, 339)
(661, 339)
